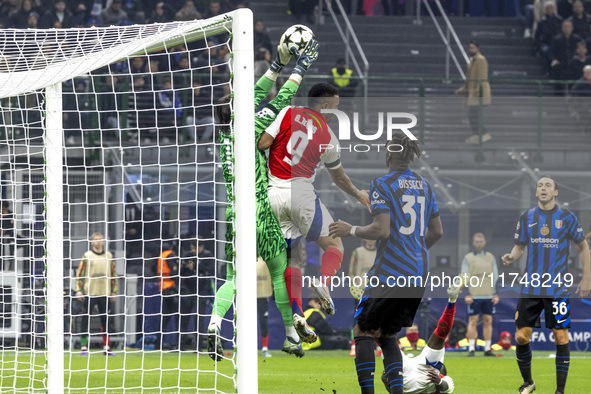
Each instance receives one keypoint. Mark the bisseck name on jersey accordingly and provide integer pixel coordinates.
(410, 184)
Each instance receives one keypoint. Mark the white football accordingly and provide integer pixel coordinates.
(298, 36)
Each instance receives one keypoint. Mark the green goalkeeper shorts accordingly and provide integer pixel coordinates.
(270, 241)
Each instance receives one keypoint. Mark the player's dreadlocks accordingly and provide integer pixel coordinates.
(410, 150)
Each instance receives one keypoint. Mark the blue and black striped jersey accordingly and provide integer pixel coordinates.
(409, 200)
(547, 235)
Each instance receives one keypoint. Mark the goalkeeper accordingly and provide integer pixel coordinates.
(271, 245)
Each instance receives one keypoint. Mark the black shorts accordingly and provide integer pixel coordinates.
(556, 312)
(481, 307)
(389, 309)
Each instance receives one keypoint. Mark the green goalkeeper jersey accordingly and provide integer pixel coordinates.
(270, 241)
(263, 119)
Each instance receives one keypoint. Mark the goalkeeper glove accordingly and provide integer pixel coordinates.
(282, 58)
(306, 58)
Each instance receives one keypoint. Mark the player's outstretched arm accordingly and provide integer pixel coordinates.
(342, 180)
(515, 254)
(285, 94)
(266, 82)
(378, 229)
(584, 287)
(290, 88)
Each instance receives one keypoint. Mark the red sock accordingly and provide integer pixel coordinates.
(293, 281)
(106, 340)
(331, 262)
(265, 341)
(446, 321)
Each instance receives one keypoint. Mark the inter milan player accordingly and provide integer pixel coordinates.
(300, 139)
(271, 245)
(546, 231)
(406, 223)
(426, 373)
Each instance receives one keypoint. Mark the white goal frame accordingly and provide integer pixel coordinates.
(246, 322)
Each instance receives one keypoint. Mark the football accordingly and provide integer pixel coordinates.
(298, 36)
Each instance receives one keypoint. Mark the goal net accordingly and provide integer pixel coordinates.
(114, 199)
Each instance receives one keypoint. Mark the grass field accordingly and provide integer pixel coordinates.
(318, 372)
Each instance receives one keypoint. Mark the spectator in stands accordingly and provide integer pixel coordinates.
(59, 14)
(135, 11)
(141, 105)
(262, 61)
(137, 65)
(547, 29)
(162, 13)
(168, 272)
(583, 86)
(301, 9)
(19, 20)
(169, 109)
(92, 22)
(534, 13)
(476, 90)
(565, 8)
(96, 284)
(581, 108)
(578, 62)
(182, 74)
(261, 37)
(80, 17)
(113, 15)
(562, 49)
(33, 20)
(109, 103)
(215, 9)
(200, 120)
(581, 21)
(343, 78)
(188, 12)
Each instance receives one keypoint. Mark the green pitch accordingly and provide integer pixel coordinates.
(324, 372)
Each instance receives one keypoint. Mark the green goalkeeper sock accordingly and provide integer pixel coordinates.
(83, 341)
(277, 266)
(225, 295)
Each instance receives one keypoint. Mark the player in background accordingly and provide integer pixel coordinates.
(406, 223)
(293, 159)
(481, 299)
(271, 245)
(426, 373)
(546, 231)
(96, 284)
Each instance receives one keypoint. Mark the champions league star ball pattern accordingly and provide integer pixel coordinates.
(298, 36)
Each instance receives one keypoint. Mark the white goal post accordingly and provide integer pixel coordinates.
(35, 60)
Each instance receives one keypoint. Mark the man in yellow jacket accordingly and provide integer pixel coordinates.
(343, 78)
(476, 90)
(411, 341)
(327, 337)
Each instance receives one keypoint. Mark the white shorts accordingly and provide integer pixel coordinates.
(300, 213)
(414, 371)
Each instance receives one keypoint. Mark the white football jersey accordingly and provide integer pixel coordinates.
(414, 371)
